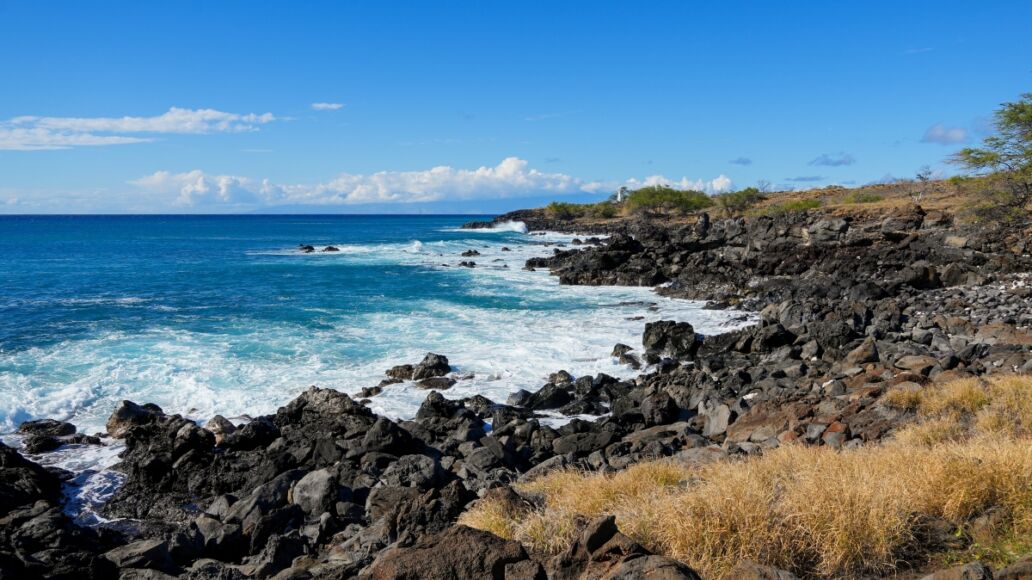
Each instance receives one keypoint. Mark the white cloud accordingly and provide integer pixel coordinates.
(32, 133)
(38, 139)
(196, 188)
(943, 135)
(327, 106)
(511, 178)
(715, 185)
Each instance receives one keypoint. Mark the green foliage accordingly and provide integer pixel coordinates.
(793, 206)
(563, 211)
(662, 199)
(737, 202)
(605, 210)
(1007, 156)
(570, 211)
(863, 198)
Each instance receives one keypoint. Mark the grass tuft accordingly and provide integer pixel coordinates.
(813, 510)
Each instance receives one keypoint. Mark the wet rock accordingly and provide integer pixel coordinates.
(401, 372)
(432, 365)
(129, 415)
(438, 383)
(46, 428)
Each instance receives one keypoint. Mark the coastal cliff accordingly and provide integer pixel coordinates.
(862, 312)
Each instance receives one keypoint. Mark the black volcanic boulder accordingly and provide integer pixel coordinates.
(48, 427)
(433, 365)
(24, 482)
(401, 372)
(129, 415)
(457, 553)
(668, 338)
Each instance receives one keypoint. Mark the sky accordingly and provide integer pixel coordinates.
(483, 107)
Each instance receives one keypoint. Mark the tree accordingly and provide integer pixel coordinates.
(1007, 156)
(736, 202)
(921, 179)
(662, 198)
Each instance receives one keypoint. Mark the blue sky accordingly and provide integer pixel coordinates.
(482, 106)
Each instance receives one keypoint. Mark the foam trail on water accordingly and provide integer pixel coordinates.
(500, 227)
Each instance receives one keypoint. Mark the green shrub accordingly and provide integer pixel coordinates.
(736, 202)
(561, 210)
(604, 210)
(662, 199)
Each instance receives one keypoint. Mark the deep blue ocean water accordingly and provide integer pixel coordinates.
(223, 314)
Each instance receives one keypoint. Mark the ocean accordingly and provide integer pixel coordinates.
(224, 314)
(208, 315)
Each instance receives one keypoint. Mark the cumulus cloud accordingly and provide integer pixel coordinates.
(715, 185)
(741, 161)
(33, 133)
(512, 177)
(943, 135)
(197, 188)
(833, 159)
(327, 106)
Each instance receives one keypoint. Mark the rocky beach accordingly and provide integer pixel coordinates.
(855, 307)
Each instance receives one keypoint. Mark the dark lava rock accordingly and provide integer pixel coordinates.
(432, 365)
(669, 338)
(403, 372)
(129, 415)
(47, 427)
(457, 553)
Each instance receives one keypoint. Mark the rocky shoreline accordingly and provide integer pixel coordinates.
(851, 306)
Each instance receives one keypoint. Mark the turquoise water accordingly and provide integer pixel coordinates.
(223, 314)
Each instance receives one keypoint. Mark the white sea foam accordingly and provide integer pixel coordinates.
(510, 340)
(500, 227)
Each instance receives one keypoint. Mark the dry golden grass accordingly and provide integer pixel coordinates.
(811, 510)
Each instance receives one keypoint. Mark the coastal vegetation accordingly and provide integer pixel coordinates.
(661, 199)
(1006, 159)
(965, 493)
(734, 203)
(569, 211)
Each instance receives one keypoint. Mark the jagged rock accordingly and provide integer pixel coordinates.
(47, 428)
(220, 427)
(669, 338)
(432, 365)
(317, 492)
(143, 554)
(403, 372)
(129, 415)
(865, 353)
(457, 553)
